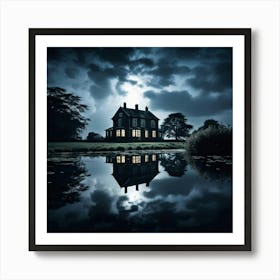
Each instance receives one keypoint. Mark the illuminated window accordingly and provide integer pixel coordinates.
(136, 133)
(154, 157)
(154, 134)
(136, 159)
(146, 158)
(123, 132)
(120, 159)
(153, 123)
(146, 133)
(134, 122)
(118, 132)
(142, 122)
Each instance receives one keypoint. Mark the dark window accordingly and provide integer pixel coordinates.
(153, 123)
(134, 122)
(119, 122)
(143, 123)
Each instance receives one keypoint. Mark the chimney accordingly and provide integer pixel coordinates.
(124, 105)
(146, 109)
(136, 107)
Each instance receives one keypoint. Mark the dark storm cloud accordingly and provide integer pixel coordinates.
(213, 54)
(212, 78)
(71, 72)
(173, 76)
(102, 77)
(115, 56)
(132, 82)
(183, 101)
(165, 71)
(141, 65)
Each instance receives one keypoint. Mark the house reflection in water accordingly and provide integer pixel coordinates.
(133, 170)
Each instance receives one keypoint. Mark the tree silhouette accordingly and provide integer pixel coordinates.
(210, 123)
(92, 136)
(65, 119)
(175, 125)
(210, 141)
(174, 164)
(65, 181)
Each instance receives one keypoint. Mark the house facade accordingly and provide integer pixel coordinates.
(134, 170)
(131, 125)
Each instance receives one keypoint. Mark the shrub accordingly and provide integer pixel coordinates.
(210, 141)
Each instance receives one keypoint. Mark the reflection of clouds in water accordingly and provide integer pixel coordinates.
(187, 203)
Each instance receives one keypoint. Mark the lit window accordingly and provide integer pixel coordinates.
(153, 124)
(154, 157)
(154, 134)
(134, 122)
(146, 158)
(136, 133)
(120, 159)
(123, 132)
(136, 159)
(143, 123)
(118, 132)
(146, 133)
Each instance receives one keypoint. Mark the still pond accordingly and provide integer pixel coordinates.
(147, 191)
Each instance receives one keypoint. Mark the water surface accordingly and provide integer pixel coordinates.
(139, 192)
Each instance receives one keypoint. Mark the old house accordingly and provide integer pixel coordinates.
(134, 170)
(133, 125)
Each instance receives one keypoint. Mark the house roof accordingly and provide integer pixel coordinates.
(128, 180)
(138, 113)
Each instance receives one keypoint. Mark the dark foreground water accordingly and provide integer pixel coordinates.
(139, 192)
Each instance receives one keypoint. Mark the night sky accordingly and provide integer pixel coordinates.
(194, 81)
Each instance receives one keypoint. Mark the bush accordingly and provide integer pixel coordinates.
(210, 141)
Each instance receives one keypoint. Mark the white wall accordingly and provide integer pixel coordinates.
(17, 262)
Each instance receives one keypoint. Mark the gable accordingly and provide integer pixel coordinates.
(117, 114)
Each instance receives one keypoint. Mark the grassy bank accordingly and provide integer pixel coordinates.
(99, 146)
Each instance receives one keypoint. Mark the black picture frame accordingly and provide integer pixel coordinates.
(246, 32)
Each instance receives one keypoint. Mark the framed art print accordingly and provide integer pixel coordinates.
(140, 139)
